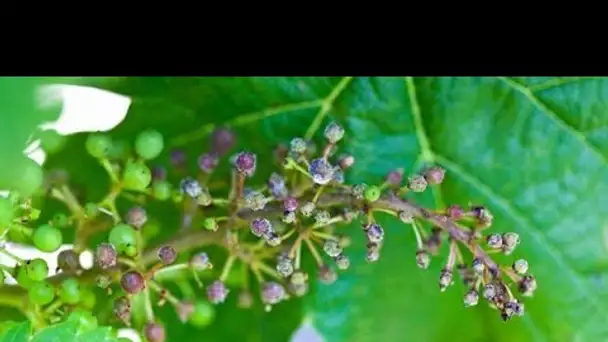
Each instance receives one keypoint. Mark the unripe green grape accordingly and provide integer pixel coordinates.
(130, 251)
(136, 176)
(69, 291)
(41, 293)
(203, 314)
(51, 141)
(98, 145)
(161, 190)
(149, 144)
(7, 213)
(372, 193)
(23, 279)
(60, 220)
(122, 236)
(120, 150)
(86, 320)
(37, 269)
(177, 196)
(87, 299)
(47, 238)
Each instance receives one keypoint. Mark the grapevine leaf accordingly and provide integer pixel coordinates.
(16, 332)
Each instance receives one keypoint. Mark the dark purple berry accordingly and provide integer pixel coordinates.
(68, 261)
(434, 175)
(154, 332)
(222, 140)
(137, 217)
(177, 157)
(159, 173)
(272, 293)
(217, 292)
(132, 282)
(321, 171)
(208, 162)
(245, 163)
(276, 186)
(346, 161)
(374, 233)
(106, 256)
(494, 240)
(260, 226)
(327, 275)
(290, 204)
(455, 212)
(167, 254)
(122, 310)
(200, 261)
(395, 177)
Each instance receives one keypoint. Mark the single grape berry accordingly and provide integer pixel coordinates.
(327, 275)
(284, 266)
(47, 238)
(208, 162)
(122, 309)
(69, 291)
(37, 269)
(342, 262)
(217, 292)
(137, 217)
(191, 187)
(332, 248)
(210, 223)
(276, 186)
(184, 310)
(423, 259)
(374, 232)
(478, 266)
(106, 256)
(161, 190)
(297, 146)
(200, 261)
(290, 204)
(98, 145)
(203, 314)
(159, 173)
(121, 149)
(527, 285)
(333, 132)
(520, 266)
(445, 279)
(167, 254)
(51, 141)
(346, 161)
(132, 282)
(245, 163)
(149, 144)
(471, 298)
(395, 177)
(434, 175)
(88, 299)
(417, 183)
(272, 238)
(272, 293)
(307, 209)
(494, 240)
(455, 212)
(372, 253)
(122, 236)
(136, 176)
(41, 293)
(372, 193)
(68, 261)
(22, 278)
(222, 140)
(321, 171)
(60, 220)
(260, 226)
(255, 200)
(154, 332)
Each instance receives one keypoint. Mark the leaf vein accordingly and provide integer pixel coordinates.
(326, 105)
(558, 82)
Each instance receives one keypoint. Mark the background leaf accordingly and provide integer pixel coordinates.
(534, 150)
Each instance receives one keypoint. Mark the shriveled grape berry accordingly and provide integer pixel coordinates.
(41, 293)
(37, 269)
(284, 266)
(47, 238)
(372, 252)
(417, 183)
(272, 293)
(298, 278)
(245, 163)
(333, 132)
(137, 217)
(167, 254)
(200, 261)
(260, 226)
(490, 291)
(217, 292)
(445, 279)
(321, 171)
(342, 262)
(122, 309)
(154, 332)
(375, 233)
(423, 259)
(332, 248)
(471, 298)
(494, 240)
(208, 162)
(327, 275)
(520, 266)
(132, 282)
(527, 285)
(510, 241)
(106, 256)
(434, 175)
(149, 144)
(68, 261)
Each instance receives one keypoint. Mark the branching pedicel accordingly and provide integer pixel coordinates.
(265, 230)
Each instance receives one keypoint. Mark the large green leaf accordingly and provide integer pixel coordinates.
(534, 150)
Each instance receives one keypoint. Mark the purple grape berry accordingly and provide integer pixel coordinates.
(167, 254)
(222, 141)
(132, 282)
(208, 162)
(321, 171)
(272, 293)
(200, 261)
(260, 226)
(375, 233)
(217, 292)
(154, 332)
(106, 256)
(290, 204)
(434, 175)
(276, 186)
(137, 217)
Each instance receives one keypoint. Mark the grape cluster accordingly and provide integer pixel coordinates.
(301, 207)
